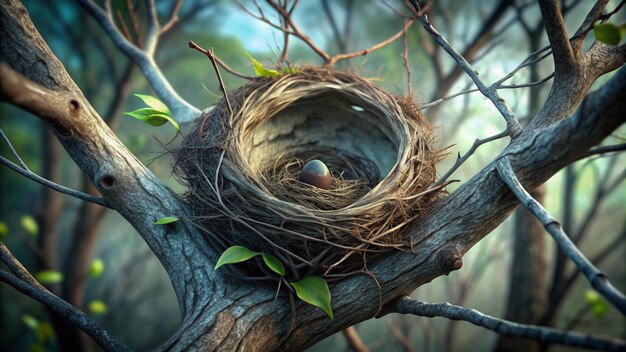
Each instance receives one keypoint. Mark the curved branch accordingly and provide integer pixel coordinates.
(564, 57)
(67, 311)
(181, 109)
(406, 305)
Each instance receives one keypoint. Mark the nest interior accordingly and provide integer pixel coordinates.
(241, 170)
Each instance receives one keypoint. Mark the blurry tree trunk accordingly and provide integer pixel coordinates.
(528, 289)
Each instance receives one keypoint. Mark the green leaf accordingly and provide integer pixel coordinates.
(274, 263)
(49, 277)
(37, 347)
(166, 220)
(4, 230)
(599, 307)
(314, 290)
(96, 268)
(260, 70)
(291, 71)
(153, 117)
(98, 307)
(30, 321)
(607, 33)
(154, 103)
(235, 254)
(44, 332)
(29, 225)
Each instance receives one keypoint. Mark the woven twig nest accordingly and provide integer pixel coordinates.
(242, 170)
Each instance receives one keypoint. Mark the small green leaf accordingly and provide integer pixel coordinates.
(607, 33)
(96, 268)
(44, 332)
(30, 321)
(37, 347)
(4, 230)
(152, 117)
(260, 70)
(235, 254)
(599, 307)
(314, 290)
(98, 307)
(166, 220)
(154, 103)
(29, 225)
(49, 277)
(274, 263)
(291, 71)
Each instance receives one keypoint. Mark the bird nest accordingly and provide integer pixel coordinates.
(241, 169)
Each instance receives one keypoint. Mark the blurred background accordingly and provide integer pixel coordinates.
(106, 269)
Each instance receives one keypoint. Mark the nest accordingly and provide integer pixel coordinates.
(242, 170)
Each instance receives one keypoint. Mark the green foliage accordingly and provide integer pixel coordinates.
(166, 220)
(4, 230)
(291, 70)
(261, 71)
(235, 254)
(599, 307)
(96, 268)
(314, 290)
(607, 33)
(44, 332)
(98, 307)
(49, 277)
(274, 264)
(157, 114)
(30, 321)
(37, 347)
(29, 224)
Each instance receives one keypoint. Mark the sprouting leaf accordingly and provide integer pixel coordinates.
(607, 33)
(29, 225)
(599, 307)
(155, 103)
(30, 321)
(314, 290)
(96, 268)
(98, 307)
(291, 70)
(274, 263)
(166, 220)
(260, 70)
(153, 117)
(235, 254)
(49, 277)
(4, 230)
(44, 332)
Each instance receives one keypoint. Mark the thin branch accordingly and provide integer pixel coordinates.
(564, 57)
(406, 305)
(598, 280)
(174, 17)
(65, 310)
(461, 159)
(17, 268)
(513, 127)
(132, 12)
(405, 60)
(55, 186)
(181, 109)
(354, 340)
(605, 149)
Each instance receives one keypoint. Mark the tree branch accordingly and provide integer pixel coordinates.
(598, 280)
(181, 109)
(564, 57)
(406, 305)
(66, 310)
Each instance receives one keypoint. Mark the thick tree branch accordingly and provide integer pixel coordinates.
(598, 280)
(406, 305)
(564, 58)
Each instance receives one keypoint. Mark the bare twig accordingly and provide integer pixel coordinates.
(65, 310)
(461, 159)
(354, 340)
(406, 305)
(605, 149)
(17, 268)
(23, 170)
(405, 59)
(513, 127)
(598, 280)
(174, 17)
